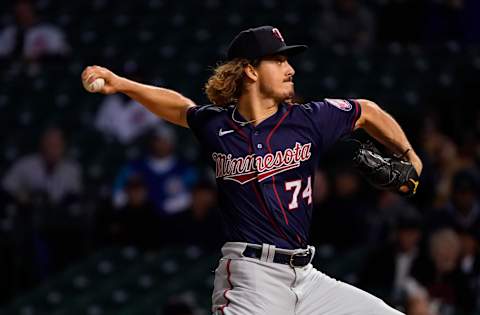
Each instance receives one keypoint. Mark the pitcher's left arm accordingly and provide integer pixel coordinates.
(385, 129)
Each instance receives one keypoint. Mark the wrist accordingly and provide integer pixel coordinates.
(119, 84)
(415, 160)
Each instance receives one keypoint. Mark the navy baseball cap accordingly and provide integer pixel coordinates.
(255, 43)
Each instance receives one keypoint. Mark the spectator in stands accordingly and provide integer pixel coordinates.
(470, 260)
(168, 178)
(419, 305)
(442, 155)
(48, 174)
(201, 221)
(133, 224)
(122, 118)
(463, 210)
(342, 220)
(47, 191)
(389, 208)
(388, 265)
(440, 276)
(31, 38)
(347, 22)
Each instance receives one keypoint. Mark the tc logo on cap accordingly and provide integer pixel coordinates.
(277, 34)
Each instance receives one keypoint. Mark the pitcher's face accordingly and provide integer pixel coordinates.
(275, 78)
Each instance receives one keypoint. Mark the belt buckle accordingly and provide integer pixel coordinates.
(302, 254)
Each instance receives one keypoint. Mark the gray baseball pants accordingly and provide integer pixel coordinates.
(249, 286)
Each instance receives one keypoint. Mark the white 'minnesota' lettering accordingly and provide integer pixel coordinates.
(226, 166)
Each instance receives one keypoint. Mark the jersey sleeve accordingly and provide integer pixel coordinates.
(200, 118)
(334, 118)
(193, 117)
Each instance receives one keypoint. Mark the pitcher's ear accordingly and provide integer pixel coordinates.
(251, 72)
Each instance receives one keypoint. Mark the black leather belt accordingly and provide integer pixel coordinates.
(293, 260)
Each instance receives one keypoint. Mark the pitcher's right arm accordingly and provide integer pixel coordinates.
(165, 103)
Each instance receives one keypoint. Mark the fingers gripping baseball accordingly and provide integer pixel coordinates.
(97, 79)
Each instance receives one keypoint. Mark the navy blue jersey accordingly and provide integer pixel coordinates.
(265, 173)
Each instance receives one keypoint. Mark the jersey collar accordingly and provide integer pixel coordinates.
(270, 121)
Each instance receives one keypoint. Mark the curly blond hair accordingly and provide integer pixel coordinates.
(225, 85)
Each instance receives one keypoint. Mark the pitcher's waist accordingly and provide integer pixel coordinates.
(269, 253)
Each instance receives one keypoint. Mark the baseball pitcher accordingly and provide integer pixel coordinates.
(264, 149)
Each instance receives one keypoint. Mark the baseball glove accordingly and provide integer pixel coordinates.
(386, 172)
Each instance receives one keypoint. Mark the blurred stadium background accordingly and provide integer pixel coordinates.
(105, 209)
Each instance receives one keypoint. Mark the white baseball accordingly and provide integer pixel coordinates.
(95, 86)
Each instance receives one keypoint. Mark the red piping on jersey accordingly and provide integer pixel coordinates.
(299, 239)
(230, 287)
(357, 113)
(270, 218)
(240, 133)
(270, 150)
(257, 193)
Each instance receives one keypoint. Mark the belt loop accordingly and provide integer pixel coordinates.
(312, 250)
(271, 253)
(265, 250)
(268, 251)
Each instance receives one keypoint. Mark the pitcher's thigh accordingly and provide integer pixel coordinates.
(245, 288)
(322, 295)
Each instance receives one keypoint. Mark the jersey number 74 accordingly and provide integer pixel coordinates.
(296, 185)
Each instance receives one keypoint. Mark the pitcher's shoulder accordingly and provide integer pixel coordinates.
(200, 116)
